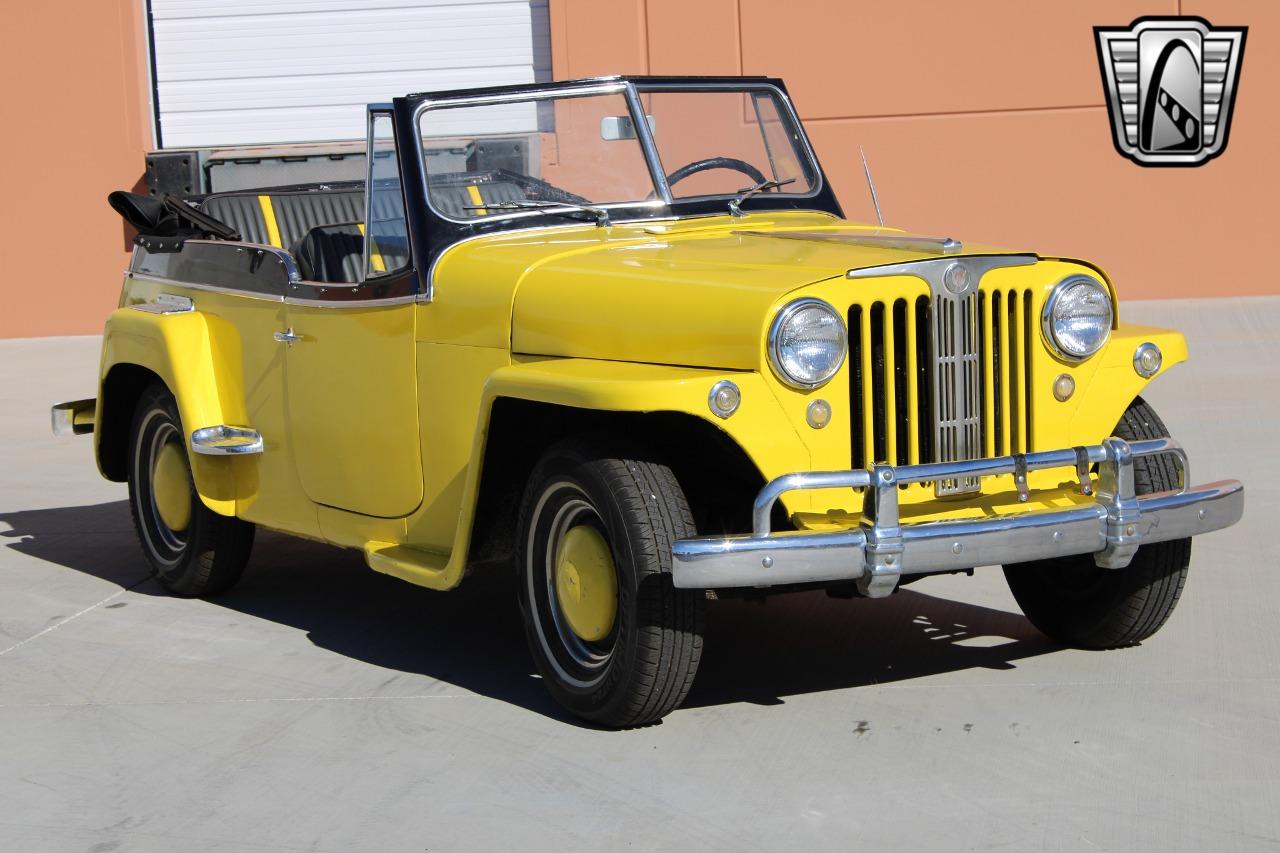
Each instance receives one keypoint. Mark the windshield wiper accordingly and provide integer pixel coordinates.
(735, 205)
(553, 208)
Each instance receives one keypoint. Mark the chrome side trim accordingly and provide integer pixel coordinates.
(223, 440)
(166, 303)
(933, 245)
(74, 418)
(359, 303)
(880, 549)
(932, 269)
(207, 288)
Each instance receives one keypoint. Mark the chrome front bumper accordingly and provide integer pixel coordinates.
(881, 549)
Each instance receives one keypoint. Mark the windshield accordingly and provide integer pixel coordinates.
(536, 150)
(582, 152)
(721, 143)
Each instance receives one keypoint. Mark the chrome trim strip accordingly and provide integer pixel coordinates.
(933, 245)
(166, 303)
(208, 288)
(223, 440)
(882, 548)
(359, 303)
(932, 269)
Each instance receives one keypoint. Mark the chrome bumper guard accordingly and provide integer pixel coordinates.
(882, 548)
(74, 418)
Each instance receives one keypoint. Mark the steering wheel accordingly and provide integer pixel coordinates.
(733, 163)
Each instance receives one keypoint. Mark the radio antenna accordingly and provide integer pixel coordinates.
(871, 185)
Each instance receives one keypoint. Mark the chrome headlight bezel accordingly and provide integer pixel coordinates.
(1048, 325)
(785, 316)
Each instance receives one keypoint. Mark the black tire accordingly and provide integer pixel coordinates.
(1078, 604)
(645, 666)
(209, 554)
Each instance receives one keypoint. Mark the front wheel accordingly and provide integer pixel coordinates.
(1075, 602)
(192, 550)
(615, 642)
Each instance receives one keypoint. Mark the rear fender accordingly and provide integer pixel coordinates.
(197, 357)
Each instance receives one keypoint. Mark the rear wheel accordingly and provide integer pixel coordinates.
(1077, 603)
(192, 550)
(614, 641)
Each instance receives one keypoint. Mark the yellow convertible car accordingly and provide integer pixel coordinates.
(616, 335)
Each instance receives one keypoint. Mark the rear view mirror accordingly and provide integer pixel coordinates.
(613, 128)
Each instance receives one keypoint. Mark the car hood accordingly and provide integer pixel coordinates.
(695, 292)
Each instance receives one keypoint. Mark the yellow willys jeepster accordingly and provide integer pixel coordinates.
(616, 334)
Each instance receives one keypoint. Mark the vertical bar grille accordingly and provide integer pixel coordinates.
(1007, 326)
(956, 389)
(937, 380)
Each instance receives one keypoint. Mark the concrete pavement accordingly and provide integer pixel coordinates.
(322, 707)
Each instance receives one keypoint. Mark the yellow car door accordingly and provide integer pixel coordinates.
(352, 403)
(351, 374)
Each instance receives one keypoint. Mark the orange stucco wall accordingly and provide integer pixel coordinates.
(983, 120)
(75, 94)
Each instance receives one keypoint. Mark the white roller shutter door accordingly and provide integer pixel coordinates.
(250, 72)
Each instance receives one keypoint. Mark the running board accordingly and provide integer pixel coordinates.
(409, 564)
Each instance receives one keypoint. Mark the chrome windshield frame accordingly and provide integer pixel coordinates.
(609, 87)
(631, 91)
(813, 172)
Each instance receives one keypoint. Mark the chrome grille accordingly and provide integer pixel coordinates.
(941, 379)
(957, 388)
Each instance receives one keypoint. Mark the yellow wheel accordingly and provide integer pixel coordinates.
(586, 583)
(171, 486)
(192, 550)
(614, 641)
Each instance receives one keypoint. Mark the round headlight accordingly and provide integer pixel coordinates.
(807, 343)
(1077, 317)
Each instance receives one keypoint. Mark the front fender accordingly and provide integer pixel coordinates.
(197, 357)
(759, 426)
(1111, 384)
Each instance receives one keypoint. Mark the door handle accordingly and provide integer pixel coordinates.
(286, 337)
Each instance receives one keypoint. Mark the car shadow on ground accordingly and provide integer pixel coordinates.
(472, 638)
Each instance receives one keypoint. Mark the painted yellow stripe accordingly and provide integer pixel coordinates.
(474, 192)
(913, 390)
(868, 389)
(269, 216)
(1006, 365)
(890, 386)
(988, 374)
(375, 257)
